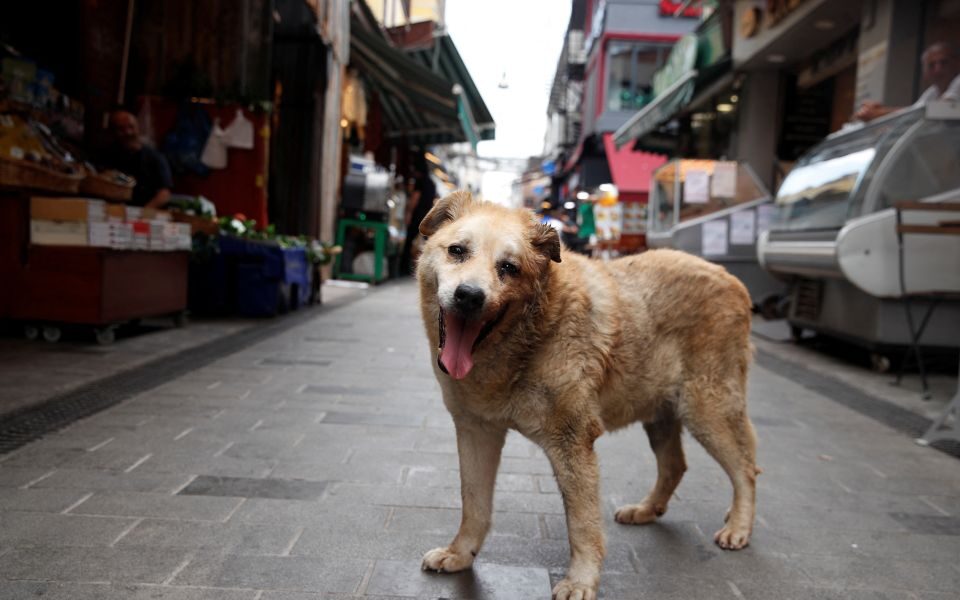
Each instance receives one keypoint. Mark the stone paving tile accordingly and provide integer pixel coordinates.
(96, 480)
(24, 590)
(325, 516)
(433, 520)
(26, 529)
(38, 500)
(19, 476)
(881, 572)
(274, 573)
(421, 477)
(405, 578)
(231, 538)
(664, 586)
(355, 418)
(126, 565)
(352, 472)
(246, 487)
(386, 495)
(800, 592)
(134, 504)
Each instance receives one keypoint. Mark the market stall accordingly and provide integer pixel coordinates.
(714, 209)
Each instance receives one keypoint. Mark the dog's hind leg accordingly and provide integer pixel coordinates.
(664, 435)
(717, 418)
(479, 449)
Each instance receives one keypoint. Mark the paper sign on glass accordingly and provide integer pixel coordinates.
(743, 227)
(724, 183)
(765, 215)
(696, 188)
(714, 238)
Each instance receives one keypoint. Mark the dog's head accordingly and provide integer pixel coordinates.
(481, 264)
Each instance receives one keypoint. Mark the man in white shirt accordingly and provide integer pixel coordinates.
(941, 70)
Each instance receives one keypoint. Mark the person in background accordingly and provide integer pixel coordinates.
(586, 227)
(941, 70)
(130, 155)
(419, 203)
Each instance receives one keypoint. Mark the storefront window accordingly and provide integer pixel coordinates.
(630, 68)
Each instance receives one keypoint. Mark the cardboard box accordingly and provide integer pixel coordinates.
(111, 235)
(116, 213)
(154, 214)
(67, 209)
(58, 233)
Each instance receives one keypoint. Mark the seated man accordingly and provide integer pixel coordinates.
(130, 155)
(940, 70)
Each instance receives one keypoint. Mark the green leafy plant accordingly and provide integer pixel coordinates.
(318, 253)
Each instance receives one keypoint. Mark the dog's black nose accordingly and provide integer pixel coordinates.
(468, 299)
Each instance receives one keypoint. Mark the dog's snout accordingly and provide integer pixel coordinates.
(468, 298)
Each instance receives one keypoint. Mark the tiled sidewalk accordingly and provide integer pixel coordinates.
(321, 464)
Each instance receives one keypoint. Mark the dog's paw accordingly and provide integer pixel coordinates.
(638, 514)
(444, 560)
(732, 537)
(574, 590)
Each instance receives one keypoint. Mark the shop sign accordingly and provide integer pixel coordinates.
(682, 59)
(829, 61)
(670, 8)
(775, 11)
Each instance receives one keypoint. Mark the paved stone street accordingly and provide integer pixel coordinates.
(320, 463)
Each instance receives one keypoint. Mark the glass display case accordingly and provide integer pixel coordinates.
(836, 237)
(714, 209)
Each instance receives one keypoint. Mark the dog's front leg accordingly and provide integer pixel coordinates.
(575, 466)
(479, 449)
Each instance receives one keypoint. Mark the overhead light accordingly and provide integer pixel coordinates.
(569, 205)
(583, 195)
(724, 107)
(776, 58)
(824, 24)
(734, 98)
(608, 188)
(344, 123)
(431, 157)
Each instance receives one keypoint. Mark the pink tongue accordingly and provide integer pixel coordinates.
(457, 353)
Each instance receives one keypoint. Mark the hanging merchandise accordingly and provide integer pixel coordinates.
(185, 142)
(215, 150)
(239, 133)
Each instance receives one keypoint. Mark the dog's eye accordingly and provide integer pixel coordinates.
(456, 250)
(508, 268)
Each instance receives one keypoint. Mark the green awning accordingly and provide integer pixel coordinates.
(657, 112)
(418, 104)
(444, 59)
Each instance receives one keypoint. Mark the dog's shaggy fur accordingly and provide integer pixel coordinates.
(561, 348)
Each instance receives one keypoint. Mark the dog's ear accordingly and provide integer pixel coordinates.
(446, 209)
(546, 240)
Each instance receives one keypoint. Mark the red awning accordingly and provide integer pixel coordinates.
(632, 171)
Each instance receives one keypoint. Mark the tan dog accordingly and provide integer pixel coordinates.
(563, 350)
